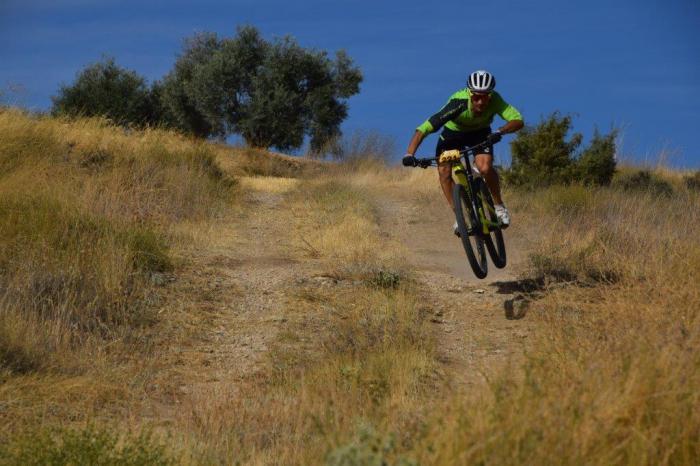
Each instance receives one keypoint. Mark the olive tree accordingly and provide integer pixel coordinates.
(272, 93)
(104, 88)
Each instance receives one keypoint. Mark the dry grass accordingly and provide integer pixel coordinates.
(269, 184)
(357, 353)
(370, 361)
(261, 163)
(89, 216)
(612, 373)
(609, 377)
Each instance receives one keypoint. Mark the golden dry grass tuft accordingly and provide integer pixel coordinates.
(244, 161)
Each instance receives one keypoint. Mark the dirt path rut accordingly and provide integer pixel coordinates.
(475, 332)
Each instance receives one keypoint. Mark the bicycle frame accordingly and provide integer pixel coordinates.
(473, 207)
(465, 177)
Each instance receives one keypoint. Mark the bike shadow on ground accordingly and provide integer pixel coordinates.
(524, 290)
(526, 286)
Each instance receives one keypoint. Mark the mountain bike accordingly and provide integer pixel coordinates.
(477, 223)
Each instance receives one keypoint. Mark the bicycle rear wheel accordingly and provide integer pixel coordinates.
(469, 231)
(494, 240)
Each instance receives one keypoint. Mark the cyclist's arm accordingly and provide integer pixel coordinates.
(450, 111)
(511, 127)
(513, 118)
(417, 138)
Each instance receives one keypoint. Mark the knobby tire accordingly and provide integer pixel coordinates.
(467, 219)
(494, 240)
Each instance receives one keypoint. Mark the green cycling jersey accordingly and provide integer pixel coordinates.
(457, 115)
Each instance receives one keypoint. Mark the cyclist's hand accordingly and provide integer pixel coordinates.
(409, 161)
(493, 138)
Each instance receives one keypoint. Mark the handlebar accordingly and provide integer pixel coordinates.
(432, 161)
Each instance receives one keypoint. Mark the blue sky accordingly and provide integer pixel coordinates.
(631, 64)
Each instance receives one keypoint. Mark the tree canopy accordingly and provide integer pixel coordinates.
(104, 88)
(272, 93)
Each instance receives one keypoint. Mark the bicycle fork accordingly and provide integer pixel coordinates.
(478, 204)
(466, 179)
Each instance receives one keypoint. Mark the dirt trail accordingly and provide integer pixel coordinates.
(475, 333)
(241, 286)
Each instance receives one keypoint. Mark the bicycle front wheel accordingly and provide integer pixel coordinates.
(494, 239)
(470, 231)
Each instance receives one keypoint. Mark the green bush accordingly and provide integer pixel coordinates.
(385, 279)
(89, 446)
(596, 164)
(692, 182)
(643, 180)
(367, 449)
(105, 89)
(543, 156)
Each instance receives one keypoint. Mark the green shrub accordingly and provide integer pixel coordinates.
(367, 449)
(643, 180)
(692, 182)
(596, 164)
(89, 446)
(543, 156)
(385, 279)
(105, 89)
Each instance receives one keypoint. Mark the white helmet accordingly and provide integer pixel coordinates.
(481, 81)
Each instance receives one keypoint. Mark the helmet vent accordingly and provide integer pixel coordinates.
(481, 81)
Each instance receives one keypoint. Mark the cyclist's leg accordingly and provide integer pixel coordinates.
(484, 163)
(445, 171)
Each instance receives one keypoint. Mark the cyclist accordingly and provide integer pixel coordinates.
(467, 119)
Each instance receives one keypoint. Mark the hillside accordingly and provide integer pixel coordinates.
(176, 302)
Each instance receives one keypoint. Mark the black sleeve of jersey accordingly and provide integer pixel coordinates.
(449, 112)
